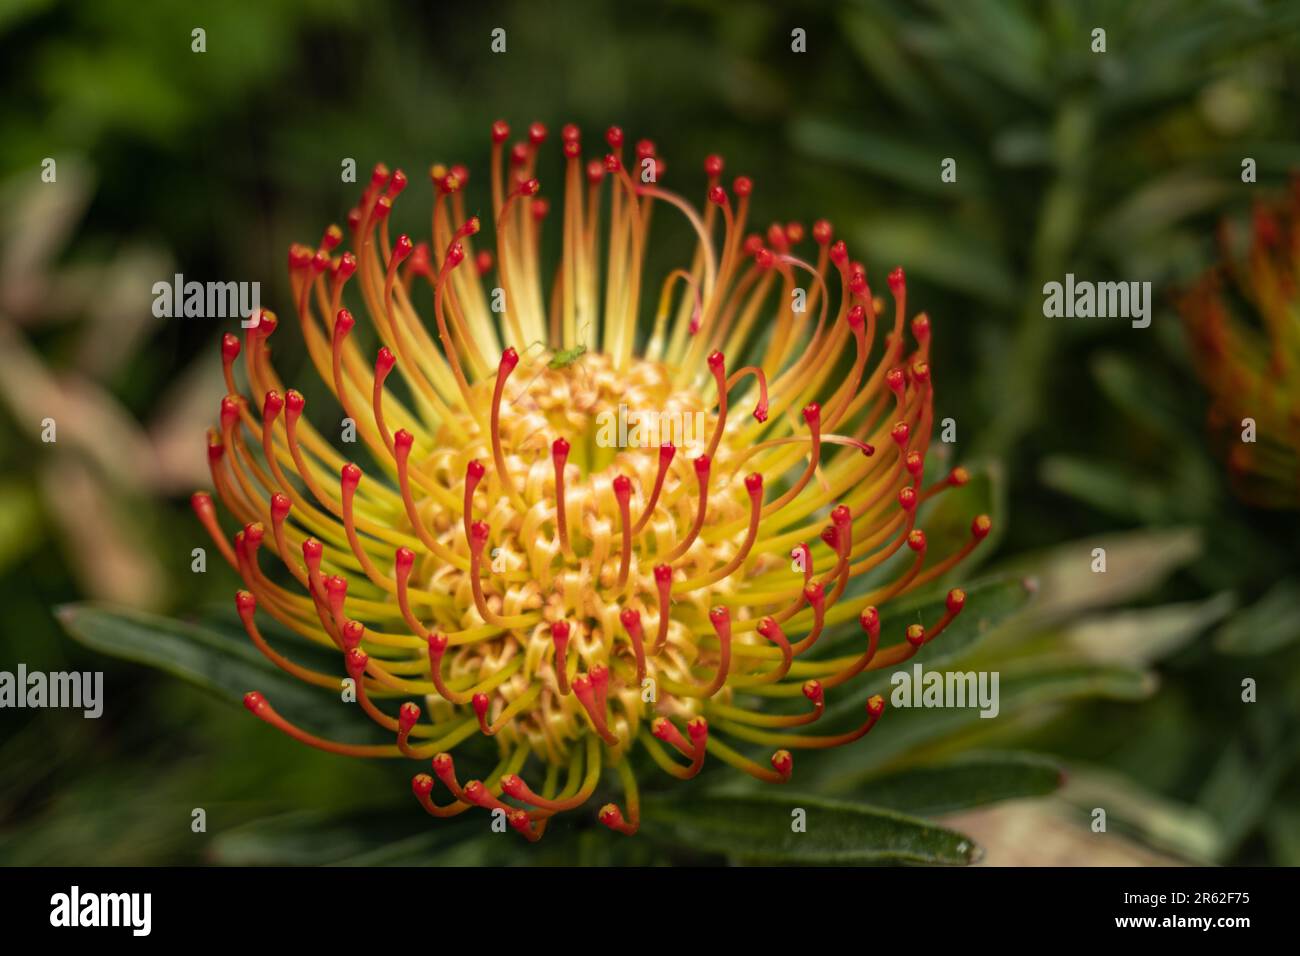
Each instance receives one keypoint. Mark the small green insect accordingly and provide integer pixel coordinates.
(561, 358)
(566, 357)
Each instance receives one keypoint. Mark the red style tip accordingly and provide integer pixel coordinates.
(353, 632)
(915, 635)
(509, 359)
(783, 763)
(356, 660)
(981, 527)
(822, 232)
(663, 573)
(614, 136)
(897, 281)
(916, 540)
(713, 165)
(408, 715)
(500, 131)
(537, 134)
(347, 265)
(956, 600)
(754, 484)
(622, 487)
(875, 705)
(229, 347)
(870, 621)
(245, 603)
(229, 411)
(743, 186)
(812, 414)
(717, 195)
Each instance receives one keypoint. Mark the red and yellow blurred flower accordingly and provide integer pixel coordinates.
(1243, 317)
(499, 569)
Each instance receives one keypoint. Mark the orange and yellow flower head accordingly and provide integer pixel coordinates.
(563, 528)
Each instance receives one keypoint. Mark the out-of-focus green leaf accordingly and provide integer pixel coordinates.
(1177, 828)
(314, 839)
(912, 164)
(1283, 827)
(1268, 625)
(19, 521)
(755, 828)
(1139, 637)
(903, 732)
(988, 603)
(1135, 562)
(940, 250)
(1109, 487)
(972, 780)
(1242, 783)
(217, 660)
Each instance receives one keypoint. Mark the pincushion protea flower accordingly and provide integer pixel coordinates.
(518, 579)
(1246, 344)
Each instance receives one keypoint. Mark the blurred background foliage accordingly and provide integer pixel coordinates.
(1119, 690)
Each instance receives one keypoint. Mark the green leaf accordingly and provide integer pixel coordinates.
(912, 164)
(388, 836)
(758, 828)
(904, 732)
(988, 603)
(310, 838)
(1136, 561)
(1159, 821)
(218, 660)
(943, 251)
(972, 780)
(1140, 636)
(1110, 487)
(1270, 624)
